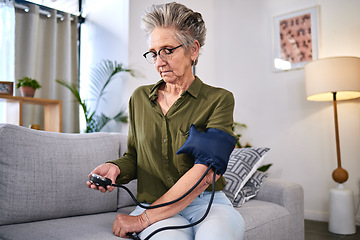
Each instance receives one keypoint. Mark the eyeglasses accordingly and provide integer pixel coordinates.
(164, 53)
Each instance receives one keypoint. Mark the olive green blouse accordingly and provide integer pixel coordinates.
(153, 138)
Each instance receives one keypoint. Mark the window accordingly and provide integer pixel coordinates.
(7, 46)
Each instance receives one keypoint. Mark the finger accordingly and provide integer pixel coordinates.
(123, 234)
(116, 232)
(93, 186)
(116, 228)
(110, 189)
(101, 189)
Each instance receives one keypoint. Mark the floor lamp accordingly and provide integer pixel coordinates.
(333, 79)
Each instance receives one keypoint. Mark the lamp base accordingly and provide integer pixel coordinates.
(342, 211)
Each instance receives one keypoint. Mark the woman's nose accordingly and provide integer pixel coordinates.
(160, 62)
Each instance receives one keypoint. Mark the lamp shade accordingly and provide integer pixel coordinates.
(335, 74)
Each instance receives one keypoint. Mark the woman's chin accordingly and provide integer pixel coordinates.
(168, 77)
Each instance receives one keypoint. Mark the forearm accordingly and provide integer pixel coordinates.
(182, 186)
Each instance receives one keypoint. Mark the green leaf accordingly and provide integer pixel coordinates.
(121, 117)
(100, 78)
(74, 90)
(264, 168)
(238, 125)
(101, 120)
(102, 75)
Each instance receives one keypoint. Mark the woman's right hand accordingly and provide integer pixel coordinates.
(107, 170)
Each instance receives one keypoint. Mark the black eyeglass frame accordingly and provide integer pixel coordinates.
(168, 51)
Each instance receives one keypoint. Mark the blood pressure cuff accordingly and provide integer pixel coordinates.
(212, 147)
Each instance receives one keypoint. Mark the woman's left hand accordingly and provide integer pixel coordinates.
(124, 224)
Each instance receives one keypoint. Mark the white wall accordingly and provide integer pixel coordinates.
(105, 36)
(238, 56)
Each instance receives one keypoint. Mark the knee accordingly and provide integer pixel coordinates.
(221, 231)
(231, 227)
(178, 234)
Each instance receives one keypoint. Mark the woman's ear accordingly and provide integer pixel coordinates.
(194, 50)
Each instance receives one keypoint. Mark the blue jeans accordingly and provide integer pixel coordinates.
(222, 222)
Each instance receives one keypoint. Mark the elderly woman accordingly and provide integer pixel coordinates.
(160, 118)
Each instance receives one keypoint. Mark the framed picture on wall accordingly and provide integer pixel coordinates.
(6, 88)
(295, 39)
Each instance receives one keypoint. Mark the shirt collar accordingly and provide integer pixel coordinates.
(153, 91)
(195, 87)
(193, 90)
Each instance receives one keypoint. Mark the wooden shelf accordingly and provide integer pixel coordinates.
(52, 111)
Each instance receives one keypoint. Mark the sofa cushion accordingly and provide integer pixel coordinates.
(242, 165)
(124, 199)
(250, 189)
(96, 226)
(265, 220)
(43, 174)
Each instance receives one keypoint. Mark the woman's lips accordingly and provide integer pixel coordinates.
(165, 72)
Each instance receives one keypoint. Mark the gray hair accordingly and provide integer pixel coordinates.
(189, 25)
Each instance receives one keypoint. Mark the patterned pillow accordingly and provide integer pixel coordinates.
(250, 189)
(242, 165)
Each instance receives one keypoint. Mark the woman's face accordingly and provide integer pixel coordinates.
(178, 68)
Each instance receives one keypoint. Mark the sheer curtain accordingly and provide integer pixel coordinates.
(46, 49)
(7, 48)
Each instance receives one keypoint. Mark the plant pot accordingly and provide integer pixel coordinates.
(27, 91)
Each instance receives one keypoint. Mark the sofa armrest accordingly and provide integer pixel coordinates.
(288, 195)
(280, 192)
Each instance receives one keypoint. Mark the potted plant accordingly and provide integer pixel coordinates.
(27, 86)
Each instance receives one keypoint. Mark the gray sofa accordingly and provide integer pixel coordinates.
(43, 193)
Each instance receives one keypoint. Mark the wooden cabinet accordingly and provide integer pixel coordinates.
(52, 111)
